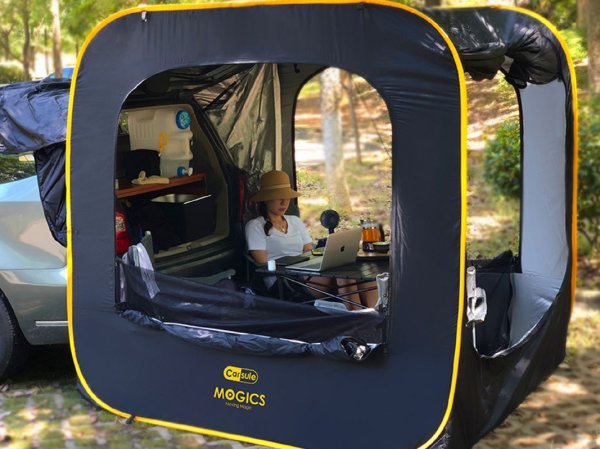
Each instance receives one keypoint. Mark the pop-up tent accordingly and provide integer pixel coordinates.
(430, 381)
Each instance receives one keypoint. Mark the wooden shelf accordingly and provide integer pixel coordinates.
(134, 190)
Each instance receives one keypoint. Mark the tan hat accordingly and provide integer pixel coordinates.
(274, 185)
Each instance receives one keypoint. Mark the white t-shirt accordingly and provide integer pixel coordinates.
(277, 244)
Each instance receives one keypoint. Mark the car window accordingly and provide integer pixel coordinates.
(13, 168)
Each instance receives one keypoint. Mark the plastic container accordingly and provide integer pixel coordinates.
(166, 130)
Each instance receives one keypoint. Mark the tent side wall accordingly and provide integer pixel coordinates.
(543, 283)
(417, 72)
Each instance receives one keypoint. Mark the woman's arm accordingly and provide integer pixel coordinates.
(259, 256)
(256, 241)
(307, 247)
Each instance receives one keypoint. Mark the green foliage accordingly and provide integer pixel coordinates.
(502, 167)
(575, 42)
(81, 16)
(562, 13)
(589, 171)
(11, 169)
(10, 74)
(311, 88)
(504, 89)
(502, 160)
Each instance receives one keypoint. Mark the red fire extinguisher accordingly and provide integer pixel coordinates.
(121, 233)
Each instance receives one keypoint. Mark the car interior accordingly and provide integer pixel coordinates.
(194, 220)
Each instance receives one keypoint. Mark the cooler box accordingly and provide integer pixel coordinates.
(192, 216)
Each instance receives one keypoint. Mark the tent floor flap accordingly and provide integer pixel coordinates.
(240, 320)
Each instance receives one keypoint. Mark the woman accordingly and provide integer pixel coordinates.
(273, 234)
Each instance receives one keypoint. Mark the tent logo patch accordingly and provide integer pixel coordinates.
(240, 399)
(242, 375)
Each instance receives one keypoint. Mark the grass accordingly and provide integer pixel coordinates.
(584, 335)
(369, 185)
(13, 168)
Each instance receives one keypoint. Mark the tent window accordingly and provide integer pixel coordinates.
(343, 142)
(517, 205)
(494, 169)
(191, 145)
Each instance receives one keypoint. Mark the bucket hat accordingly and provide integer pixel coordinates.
(274, 185)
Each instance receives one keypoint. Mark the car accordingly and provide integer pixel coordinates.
(67, 72)
(33, 277)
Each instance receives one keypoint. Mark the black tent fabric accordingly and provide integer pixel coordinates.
(338, 347)
(33, 115)
(491, 40)
(50, 168)
(192, 303)
(431, 386)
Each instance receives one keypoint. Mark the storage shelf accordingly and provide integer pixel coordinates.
(135, 190)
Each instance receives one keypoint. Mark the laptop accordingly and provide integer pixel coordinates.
(341, 249)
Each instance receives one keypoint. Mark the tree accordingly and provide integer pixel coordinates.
(349, 88)
(594, 45)
(582, 14)
(331, 91)
(56, 43)
(7, 25)
(20, 34)
(27, 54)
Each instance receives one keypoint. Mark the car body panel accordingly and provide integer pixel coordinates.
(32, 264)
(38, 299)
(25, 239)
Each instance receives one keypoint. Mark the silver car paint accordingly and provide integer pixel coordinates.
(32, 264)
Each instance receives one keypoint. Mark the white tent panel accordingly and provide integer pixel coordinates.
(544, 248)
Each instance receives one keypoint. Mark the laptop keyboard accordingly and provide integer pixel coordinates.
(310, 266)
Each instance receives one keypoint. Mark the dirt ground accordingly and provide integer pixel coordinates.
(564, 412)
(42, 409)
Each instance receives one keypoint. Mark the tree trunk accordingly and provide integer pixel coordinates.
(582, 14)
(331, 89)
(56, 44)
(6, 53)
(353, 123)
(25, 16)
(46, 52)
(593, 34)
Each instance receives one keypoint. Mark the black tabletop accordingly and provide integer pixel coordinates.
(359, 270)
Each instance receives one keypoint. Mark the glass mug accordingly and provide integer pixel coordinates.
(370, 233)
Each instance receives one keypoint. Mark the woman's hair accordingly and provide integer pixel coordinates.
(262, 210)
